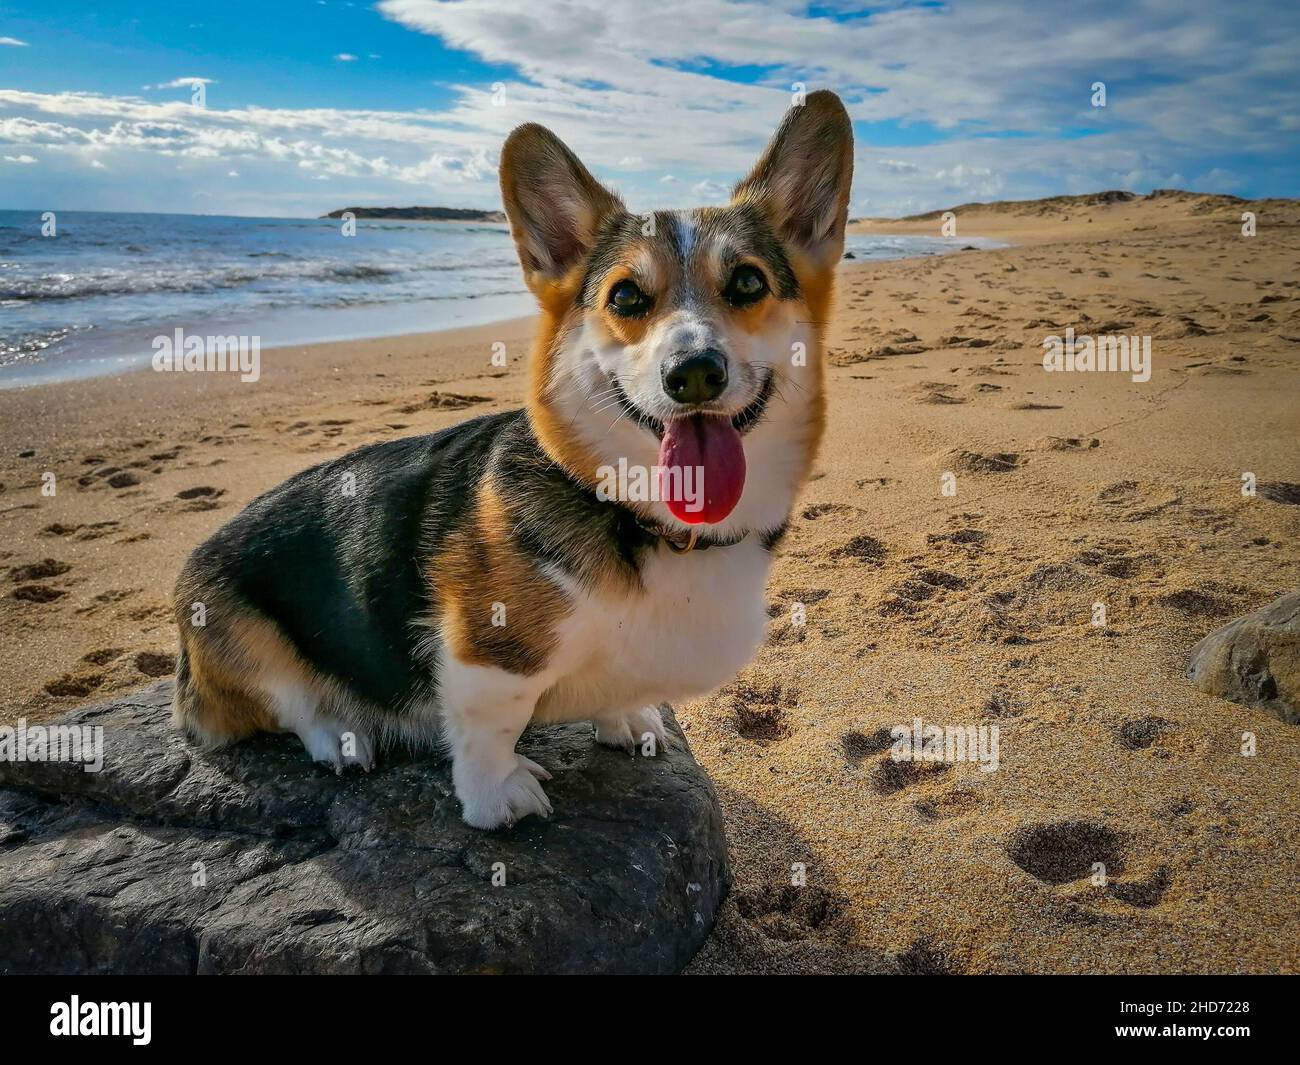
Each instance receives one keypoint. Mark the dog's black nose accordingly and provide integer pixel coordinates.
(695, 376)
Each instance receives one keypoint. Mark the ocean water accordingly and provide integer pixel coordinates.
(90, 299)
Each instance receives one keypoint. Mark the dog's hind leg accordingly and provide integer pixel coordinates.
(298, 709)
(639, 728)
(214, 703)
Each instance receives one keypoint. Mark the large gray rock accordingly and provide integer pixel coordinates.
(1255, 660)
(308, 872)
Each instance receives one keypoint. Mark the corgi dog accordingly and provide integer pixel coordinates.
(453, 588)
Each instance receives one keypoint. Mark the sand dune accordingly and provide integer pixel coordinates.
(968, 609)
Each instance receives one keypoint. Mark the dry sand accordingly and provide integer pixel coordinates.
(973, 609)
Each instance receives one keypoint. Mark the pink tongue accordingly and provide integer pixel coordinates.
(702, 468)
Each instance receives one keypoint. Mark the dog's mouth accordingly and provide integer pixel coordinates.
(701, 463)
(742, 421)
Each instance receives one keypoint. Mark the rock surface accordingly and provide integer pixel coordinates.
(253, 860)
(1255, 660)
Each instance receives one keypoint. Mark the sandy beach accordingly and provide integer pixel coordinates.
(973, 608)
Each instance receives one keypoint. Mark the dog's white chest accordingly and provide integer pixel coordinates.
(698, 621)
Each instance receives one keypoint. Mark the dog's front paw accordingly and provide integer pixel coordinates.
(628, 732)
(489, 804)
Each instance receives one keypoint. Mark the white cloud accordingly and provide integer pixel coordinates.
(181, 83)
(26, 160)
(346, 57)
(710, 191)
(625, 86)
(13, 42)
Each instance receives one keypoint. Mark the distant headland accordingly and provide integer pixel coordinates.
(421, 214)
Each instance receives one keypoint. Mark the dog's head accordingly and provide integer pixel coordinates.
(686, 339)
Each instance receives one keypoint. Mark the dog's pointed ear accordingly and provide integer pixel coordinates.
(554, 205)
(802, 182)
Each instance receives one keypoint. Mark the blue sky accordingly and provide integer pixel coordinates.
(314, 105)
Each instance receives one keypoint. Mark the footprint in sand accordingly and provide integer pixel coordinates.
(966, 342)
(1207, 602)
(155, 663)
(857, 747)
(890, 776)
(784, 629)
(790, 914)
(332, 427)
(444, 401)
(787, 596)
(951, 803)
(1111, 561)
(864, 548)
(37, 571)
(200, 491)
(1143, 894)
(97, 530)
(906, 596)
(1284, 492)
(975, 462)
(190, 500)
(926, 958)
(113, 595)
(939, 396)
(76, 685)
(1071, 443)
(1062, 852)
(971, 538)
(157, 611)
(38, 593)
(819, 510)
(1141, 732)
(758, 713)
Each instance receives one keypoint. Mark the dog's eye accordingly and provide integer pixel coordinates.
(627, 300)
(747, 285)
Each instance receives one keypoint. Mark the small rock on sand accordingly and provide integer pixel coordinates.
(1254, 660)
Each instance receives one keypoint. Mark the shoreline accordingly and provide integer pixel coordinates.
(119, 348)
(87, 366)
(975, 609)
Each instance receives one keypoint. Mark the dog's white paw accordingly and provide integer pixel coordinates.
(337, 745)
(489, 804)
(628, 732)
